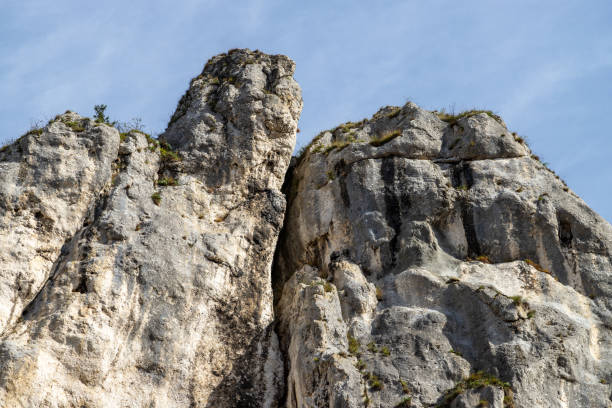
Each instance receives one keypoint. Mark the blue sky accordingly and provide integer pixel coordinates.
(544, 66)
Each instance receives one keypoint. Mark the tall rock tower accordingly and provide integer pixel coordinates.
(136, 273)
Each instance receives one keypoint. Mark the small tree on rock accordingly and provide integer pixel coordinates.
(100, 117)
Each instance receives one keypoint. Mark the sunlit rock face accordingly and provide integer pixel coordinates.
(419, 251)
(137, 274)
(49, 181)
(415, 259)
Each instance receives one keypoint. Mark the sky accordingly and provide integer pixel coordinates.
(544, 66)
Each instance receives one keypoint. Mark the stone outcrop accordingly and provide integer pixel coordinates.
(49, 182)
(419, 251)
(152, 274)
(415, 259)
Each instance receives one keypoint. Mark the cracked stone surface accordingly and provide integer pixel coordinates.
(48, 184)
(438, 250)
(150, 305)
(401, 261)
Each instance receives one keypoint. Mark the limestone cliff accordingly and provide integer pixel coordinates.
(145, 267)
(414, 259)
(431, 260)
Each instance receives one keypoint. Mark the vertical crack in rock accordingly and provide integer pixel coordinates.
(565, 233)
(469, 228)
(462, 178)
(392, 207)
(341, 170)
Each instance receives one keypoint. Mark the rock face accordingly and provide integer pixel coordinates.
(422, 260)
(435, 262)
(152, 273)
(49, 181)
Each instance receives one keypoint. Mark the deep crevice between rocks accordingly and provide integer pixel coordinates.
(289, 190)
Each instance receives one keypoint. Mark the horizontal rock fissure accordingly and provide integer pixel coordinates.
(433, 160)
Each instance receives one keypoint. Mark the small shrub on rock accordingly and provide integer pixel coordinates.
(156, 197)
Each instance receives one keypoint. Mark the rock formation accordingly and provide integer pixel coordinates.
(145, 267)
(419, 251)
(414, 259)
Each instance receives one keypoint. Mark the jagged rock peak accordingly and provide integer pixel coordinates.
(136, 272)
(247, 102)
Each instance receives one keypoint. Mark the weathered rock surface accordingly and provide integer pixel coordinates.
(161, 295)
(417, 251)
(49, 182)
(420, 262)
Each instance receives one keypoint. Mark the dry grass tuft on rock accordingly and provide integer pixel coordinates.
(385, 137)
(156, 197)
(167, 181)
(452, 118)
(477, 380)
(536, 265)
(353, 345)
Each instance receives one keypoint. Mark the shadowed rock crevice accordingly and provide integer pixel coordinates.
(392, 207)
(341, 170)
(469, 228)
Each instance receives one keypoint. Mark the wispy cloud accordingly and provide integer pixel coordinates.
(138, 56)
(553, 75)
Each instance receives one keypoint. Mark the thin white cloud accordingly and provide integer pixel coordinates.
(548, 78)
